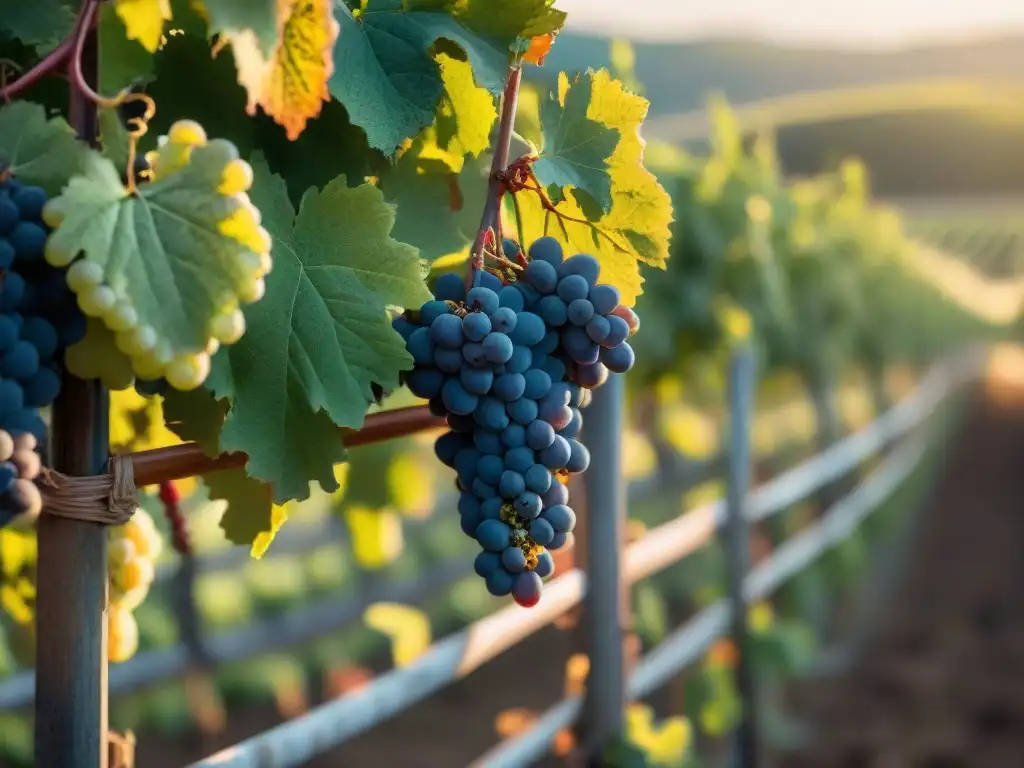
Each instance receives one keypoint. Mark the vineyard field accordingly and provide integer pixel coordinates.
(987, 235)
(939, 680)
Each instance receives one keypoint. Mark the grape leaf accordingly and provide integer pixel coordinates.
(290, 85)
(436, 208)
(507, 19)
(122, 61)
(465, 114)
(407, 627)
(321, 335)
(251, 516)
(235, 17)
(39, 23)
(376, 535)
(385, 72)
(137, 424)
(576, 150)
(36, 150)
(148, 243)
(637, 227)
(144, 20)
(195, 416)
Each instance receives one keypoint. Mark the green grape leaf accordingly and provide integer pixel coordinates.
(435, 208)
(385, 72)
(38, 151)
(122, 61)
(637, 228)
(250, 509)
(148, 244)
(234, 17)
(321, 336)
(37, 23)
(576, 150)
(195, 416)
(508, 19)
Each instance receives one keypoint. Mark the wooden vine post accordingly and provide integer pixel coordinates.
(71, 634)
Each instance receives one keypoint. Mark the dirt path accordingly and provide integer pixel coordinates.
(942, 683)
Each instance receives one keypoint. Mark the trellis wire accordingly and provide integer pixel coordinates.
(331, 724)
(688, 643)
(318, 618)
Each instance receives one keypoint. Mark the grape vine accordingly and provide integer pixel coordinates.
(144, 259)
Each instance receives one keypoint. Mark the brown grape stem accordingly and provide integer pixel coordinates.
(490, 220)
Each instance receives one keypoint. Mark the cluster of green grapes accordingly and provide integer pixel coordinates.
(152, 356)
(131, 558)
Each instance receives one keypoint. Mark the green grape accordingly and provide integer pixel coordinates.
(187, 132)
(137, 341)
(97, 300)
(237, 178)
(188, 372)
(84, 274)
(253, 291)
(121, 317)
(228, 328)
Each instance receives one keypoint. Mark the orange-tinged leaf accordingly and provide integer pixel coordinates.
(290, 86)
(540, 47)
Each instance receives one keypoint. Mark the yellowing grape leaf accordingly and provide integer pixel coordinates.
(507, 19)
(137, 424)
(168, 251)
(637, 226)
(407, 627)
(144, 20)
(36, 150)
(377, 538)
(321, 337)
(386, 73)
(577, 150)
(291, 84)
(251, 516)
(465, 113)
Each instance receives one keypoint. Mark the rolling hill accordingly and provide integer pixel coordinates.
(678, 77)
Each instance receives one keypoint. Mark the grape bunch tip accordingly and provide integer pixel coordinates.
(511, 365)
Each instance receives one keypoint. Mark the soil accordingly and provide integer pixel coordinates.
(941, 684)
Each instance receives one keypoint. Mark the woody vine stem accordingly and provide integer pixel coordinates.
(489, 232)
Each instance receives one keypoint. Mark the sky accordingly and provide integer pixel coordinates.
(851, 23)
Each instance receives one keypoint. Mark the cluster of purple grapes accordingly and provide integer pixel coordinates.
(39, 318)
(511, 366)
